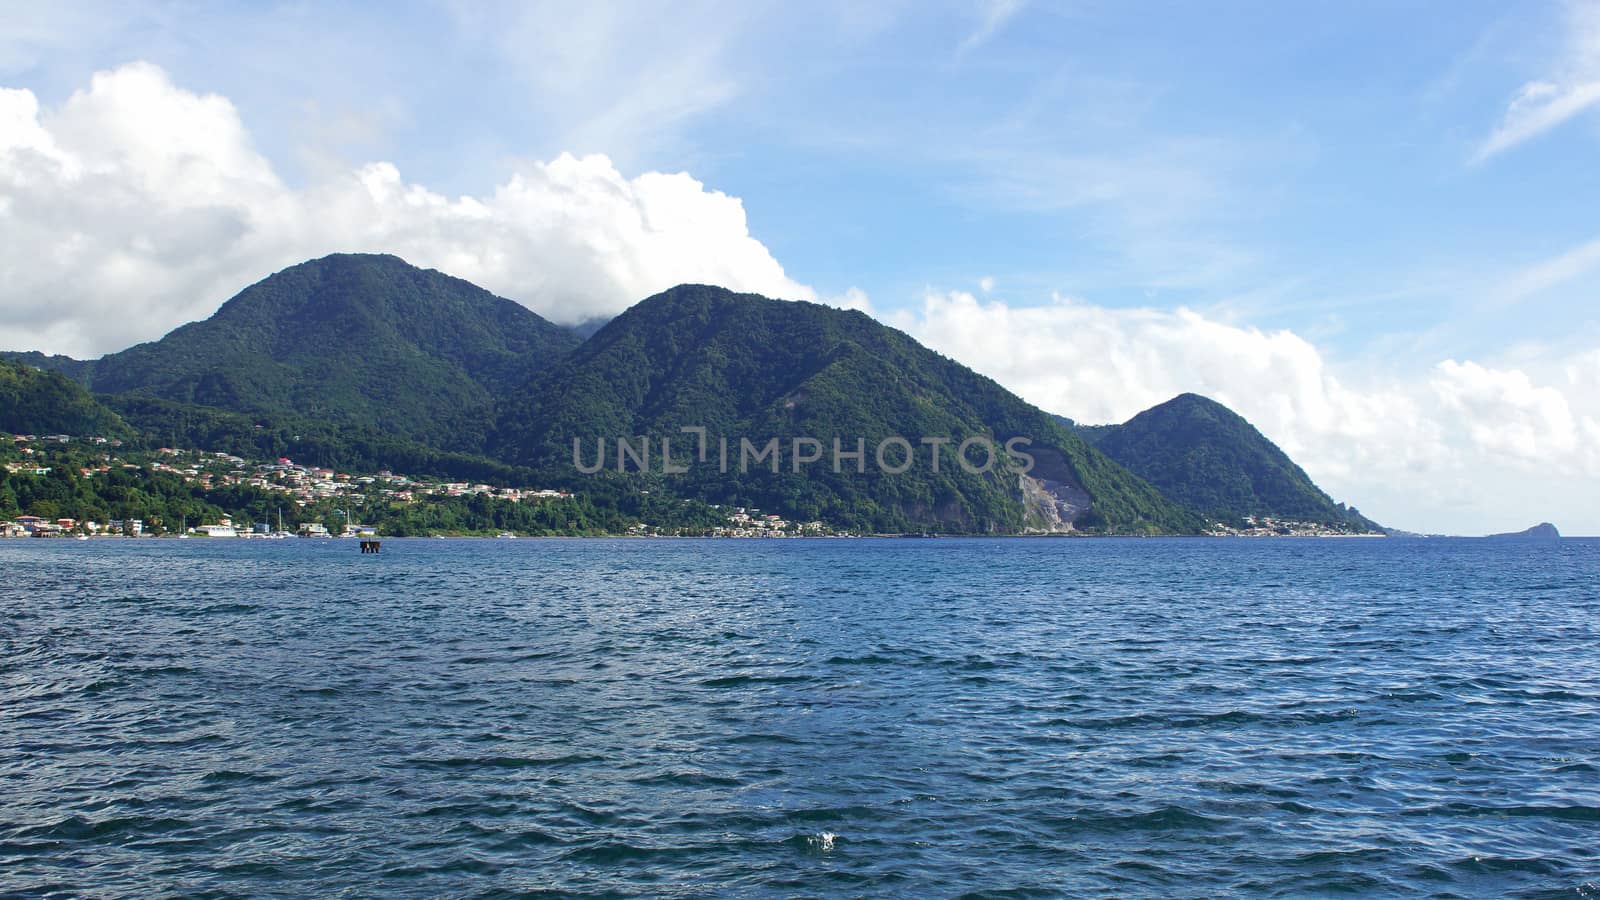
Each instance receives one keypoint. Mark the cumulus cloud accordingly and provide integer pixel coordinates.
(1545, 103)
(137, 205)
(1464, 448)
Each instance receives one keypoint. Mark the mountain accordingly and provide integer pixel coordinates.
(586, 329)
(745, 367)
(1090, 433)
(39, 402)
(78, 370)
(1543, 531)
(351, 340)
(1208, 458)
(363, 361)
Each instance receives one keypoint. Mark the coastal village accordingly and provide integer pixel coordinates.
(1269, 527)
(751, 523)
(297, 484)
(349, 494)
(301, 486)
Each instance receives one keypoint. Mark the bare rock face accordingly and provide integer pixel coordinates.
(1051, 495)
(1053, 505)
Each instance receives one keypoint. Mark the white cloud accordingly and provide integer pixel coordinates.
(137, 205)
(603, 76)
(1466, 448)
(995, 15)
(1543, 104)
(1555, 271)
(853, 298)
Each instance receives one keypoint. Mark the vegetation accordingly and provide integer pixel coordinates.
(33, 401)
(1207, 457)
(744, 366)
(162, 501)
(320, 443)
(355, 341)
(87, 483)
(363, 363)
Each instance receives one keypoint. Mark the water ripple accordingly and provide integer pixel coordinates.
(1006, 718)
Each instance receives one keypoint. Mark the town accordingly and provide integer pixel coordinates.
(321, 502)
(316, 501)
(748, 523)
(296, 487)
(1269, 527)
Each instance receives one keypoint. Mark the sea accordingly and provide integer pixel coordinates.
(800, 718)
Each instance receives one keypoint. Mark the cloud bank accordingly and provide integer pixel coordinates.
(136, 206)
(1465, 448)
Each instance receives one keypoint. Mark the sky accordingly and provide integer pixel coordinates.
(1373, 229)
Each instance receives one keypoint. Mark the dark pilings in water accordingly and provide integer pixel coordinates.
(369, 546)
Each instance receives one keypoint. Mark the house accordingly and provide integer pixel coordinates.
(19, 469)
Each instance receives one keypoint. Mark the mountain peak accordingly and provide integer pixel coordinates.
(349, 339)
(747, 367)
(1211, 459)
(1190, 402)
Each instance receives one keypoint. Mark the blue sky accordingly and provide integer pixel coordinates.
(1396, 186)
(1305, 168)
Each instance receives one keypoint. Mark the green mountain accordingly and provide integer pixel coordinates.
(360, 342)
(745, 367)
(39, 402)
(78, 370)
(365, 362)
(1208, 458)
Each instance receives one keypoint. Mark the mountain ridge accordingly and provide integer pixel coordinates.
(744, 366)
(1212, 460)
(363, 359)
(363, 340)
(38, 401)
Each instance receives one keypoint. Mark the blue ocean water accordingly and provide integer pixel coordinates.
(827, 717)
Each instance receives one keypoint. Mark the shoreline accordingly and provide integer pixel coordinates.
(724, 537)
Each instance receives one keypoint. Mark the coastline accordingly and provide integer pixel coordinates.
(459, 536)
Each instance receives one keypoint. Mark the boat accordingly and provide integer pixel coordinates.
(83, 537)
(280, 534)
(506, 536)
